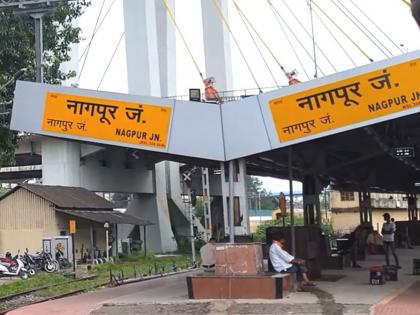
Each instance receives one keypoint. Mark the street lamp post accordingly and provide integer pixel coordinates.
(36, 9)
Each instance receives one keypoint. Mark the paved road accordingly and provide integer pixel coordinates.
(350, 294)
(405, 302)
(168, 288)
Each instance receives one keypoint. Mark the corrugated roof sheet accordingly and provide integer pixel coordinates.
(67, 197)
(107, 216)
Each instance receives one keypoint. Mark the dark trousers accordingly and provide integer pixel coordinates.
(415, 8)
(298, 269)
(390, 246)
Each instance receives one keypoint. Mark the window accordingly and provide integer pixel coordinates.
(347, 195)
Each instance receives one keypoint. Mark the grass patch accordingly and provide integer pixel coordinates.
(139, 264)
(39, 280)
(129, 266)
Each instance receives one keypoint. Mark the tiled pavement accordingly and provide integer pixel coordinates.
(406, 302)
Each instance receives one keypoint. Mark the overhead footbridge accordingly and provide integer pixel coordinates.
(315, 116)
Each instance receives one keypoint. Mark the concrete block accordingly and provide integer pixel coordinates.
(239, 259)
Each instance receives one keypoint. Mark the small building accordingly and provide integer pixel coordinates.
(345, 207)
(28, 213)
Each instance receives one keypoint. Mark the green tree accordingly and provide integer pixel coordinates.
(17, 51)
(260, 233)
(199, 208)
(258, 194)
(3, 191)
(261, 229)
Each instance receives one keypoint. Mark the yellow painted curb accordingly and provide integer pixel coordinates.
(398, 292)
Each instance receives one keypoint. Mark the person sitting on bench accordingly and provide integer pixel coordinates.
(282, 261)
(208, 255)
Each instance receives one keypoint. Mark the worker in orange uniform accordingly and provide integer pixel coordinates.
(291, 76)
(210, 92)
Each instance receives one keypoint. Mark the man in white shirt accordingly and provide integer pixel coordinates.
(388, 231)
(208, 255)
(282, 261)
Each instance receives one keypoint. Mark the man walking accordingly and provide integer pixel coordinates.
(388, 232)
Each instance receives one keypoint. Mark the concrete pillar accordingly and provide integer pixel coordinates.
(311, 202)
(365, 207)
(150, 48)
(412, 207)
(241, 218)
(154, 207)
(216, 45)
(141, 42)
(60, 162)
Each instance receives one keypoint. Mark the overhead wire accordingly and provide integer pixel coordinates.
(262, 41)
(278, 17)
(97, 29)
(307, 33)
(360, 28)
(90, 42)
(256, 46)
(255, 43)
(335, 38)
(364, 27)
(172, 16)
(376, 25)
(342, 31)
(110, 60)
(226, 23)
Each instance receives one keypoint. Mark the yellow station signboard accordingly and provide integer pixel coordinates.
(353, 100)
(105, 119)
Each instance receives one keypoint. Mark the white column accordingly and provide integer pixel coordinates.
(240, 191)
(141, 47)
(60, 162)
(217, 45)
(166, 42)
(150, 49)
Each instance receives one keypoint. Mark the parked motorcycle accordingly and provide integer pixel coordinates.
(13, 267)
(29, 265)
(63, 262)
(42, 260)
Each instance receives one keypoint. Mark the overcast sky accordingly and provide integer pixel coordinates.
(392, 16)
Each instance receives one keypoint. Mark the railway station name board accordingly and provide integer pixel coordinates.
(347, 102)
(106, 119)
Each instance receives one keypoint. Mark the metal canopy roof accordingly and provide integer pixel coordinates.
(356, 159)
(341, 127)
(113, 217)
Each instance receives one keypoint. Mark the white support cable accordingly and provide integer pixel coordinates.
(290, 43)
(364, 27)
(313, 39)
(376, 25)
(356, 24)
(110, 61)
(97, 29)
(226, 23)
(309, 35)
(335, 38)
(278, 16)
(258, 48)
(90, 42)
